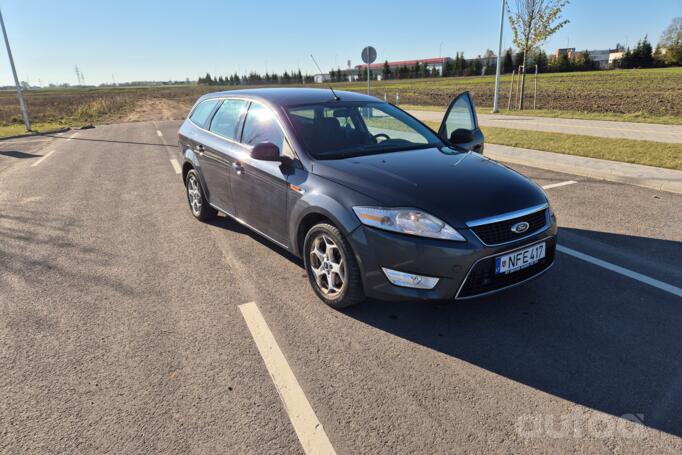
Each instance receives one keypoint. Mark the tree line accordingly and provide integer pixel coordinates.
(254, 78)
(668, 52)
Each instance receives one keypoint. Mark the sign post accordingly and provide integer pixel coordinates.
(496, 103)
(369, 55)
(22, 105)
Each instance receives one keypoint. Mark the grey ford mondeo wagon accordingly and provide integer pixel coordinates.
(375, 202)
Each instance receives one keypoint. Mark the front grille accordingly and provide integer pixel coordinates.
(482, 277)
(500, 232)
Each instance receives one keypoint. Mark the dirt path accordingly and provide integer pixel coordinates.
(158, 109)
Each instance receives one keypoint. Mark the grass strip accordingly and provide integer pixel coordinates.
(647, 153)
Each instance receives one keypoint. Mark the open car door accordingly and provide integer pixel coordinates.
(460, 124)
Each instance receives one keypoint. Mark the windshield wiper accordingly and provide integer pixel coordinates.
(372, 151)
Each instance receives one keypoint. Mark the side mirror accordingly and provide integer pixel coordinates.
(265, 151)
(461, 136)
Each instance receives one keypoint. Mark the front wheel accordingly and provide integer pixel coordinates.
(197, 199)
(332, 269)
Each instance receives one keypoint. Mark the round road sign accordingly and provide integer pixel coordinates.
(369, 54)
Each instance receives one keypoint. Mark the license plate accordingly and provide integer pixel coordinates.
(519, 259)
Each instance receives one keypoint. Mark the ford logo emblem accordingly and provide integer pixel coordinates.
(520, 228)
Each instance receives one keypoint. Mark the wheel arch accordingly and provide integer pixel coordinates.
(308, 213)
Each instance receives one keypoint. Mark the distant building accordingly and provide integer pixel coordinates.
(321, 78)
(614, 56)
(567, 51)
(432, 64)
(600, 57)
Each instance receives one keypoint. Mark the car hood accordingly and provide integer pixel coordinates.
(455, 187)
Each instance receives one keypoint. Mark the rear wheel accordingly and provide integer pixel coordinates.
(332, 269)
(197, 199)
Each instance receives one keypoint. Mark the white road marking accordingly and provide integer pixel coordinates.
(72, 136)
(43, 158)
(159, 133)
(308, 428)
(557, 185)
(622, 271)
(176, 166)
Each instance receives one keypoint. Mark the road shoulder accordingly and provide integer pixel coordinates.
(633, 174)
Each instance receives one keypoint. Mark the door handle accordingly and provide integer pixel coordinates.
(239, 169)
(200, 149)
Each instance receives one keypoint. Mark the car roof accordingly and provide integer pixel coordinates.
(291, 96)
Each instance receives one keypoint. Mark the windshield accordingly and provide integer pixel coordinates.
(339, 129)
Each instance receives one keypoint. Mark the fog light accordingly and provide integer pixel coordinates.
(409, 280)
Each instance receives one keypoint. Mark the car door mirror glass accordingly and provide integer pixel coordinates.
(265, 151)
(461, 136)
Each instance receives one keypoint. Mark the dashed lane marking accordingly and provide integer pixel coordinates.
(176, 166)
(557, 185)
(308, 428)
(43, 158)
(622, 271)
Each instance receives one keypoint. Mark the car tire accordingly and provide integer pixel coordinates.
(332, 269)
(196, 198)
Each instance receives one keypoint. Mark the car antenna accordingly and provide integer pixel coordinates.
(336, 97)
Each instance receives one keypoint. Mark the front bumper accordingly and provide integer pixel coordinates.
(463, 268)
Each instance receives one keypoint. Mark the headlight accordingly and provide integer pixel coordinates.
(407, 221)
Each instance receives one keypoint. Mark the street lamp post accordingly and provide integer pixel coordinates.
(496, 107)
(27, 122)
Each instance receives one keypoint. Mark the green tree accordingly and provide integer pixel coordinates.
(386, 71)
(644, 53)
(476, 67)
(532, 22)
(560, 64)
(208, 80)
(448, 68)
(508, 62)
(584, 62)
(518, 60)
(416, 69)
(540, 59)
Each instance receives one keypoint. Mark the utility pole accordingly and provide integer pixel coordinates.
(496, 104)
(27, 122)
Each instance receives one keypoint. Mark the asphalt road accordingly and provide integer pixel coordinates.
(600, 128)
(121, 329)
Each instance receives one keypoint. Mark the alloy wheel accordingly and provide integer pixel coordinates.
(194, 194)
(328, 265)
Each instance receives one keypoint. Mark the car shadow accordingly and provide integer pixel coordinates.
(18, 154)
(112, 141)
(580, 333)
(225, 222)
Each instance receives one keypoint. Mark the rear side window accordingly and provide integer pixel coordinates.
(227, 117)
(261, 126)
(202, 111)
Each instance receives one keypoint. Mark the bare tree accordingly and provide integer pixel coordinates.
(532, 22)
(672, 36)
(671, 40)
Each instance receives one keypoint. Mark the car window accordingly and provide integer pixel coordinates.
(202, 111)
(461, 116)
(227, 117)
(261, 126)
(341, 129)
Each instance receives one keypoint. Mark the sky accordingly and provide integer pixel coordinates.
(126, 40)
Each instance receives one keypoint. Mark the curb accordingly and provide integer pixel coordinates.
(41, 133)
(548, 162)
